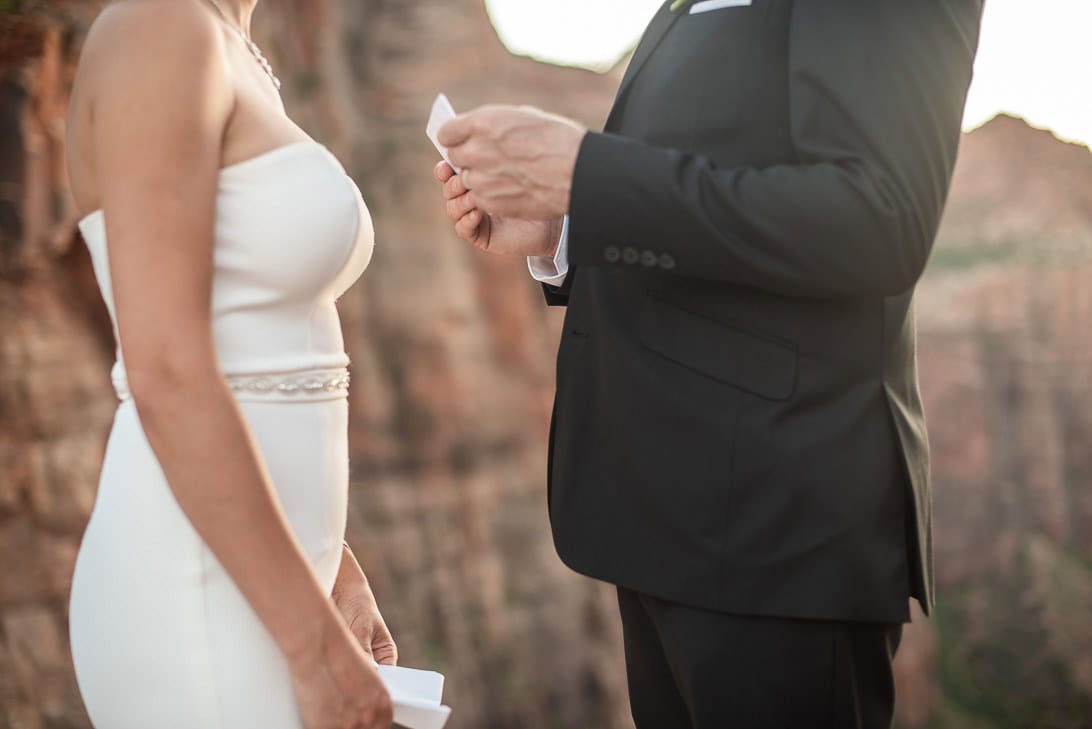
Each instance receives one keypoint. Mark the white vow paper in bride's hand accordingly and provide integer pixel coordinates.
(416, 696)
(442, 113)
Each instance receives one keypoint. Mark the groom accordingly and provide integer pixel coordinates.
(738, 442)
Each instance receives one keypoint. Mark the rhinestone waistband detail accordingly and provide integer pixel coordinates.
(299, 385)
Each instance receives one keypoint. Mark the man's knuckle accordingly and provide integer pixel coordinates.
(482, 124)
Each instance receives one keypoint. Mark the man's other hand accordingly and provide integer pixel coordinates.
(492, 233)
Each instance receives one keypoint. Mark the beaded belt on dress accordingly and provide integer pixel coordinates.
(277, 387)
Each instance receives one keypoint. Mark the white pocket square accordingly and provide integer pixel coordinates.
(707, 5)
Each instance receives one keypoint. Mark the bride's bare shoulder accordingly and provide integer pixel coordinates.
(172, 31)
(147, 64)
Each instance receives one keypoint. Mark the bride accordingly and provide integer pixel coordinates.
(213, 588)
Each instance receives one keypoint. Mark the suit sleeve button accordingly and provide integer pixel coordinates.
(649, 259)
(630, 255)
(667, 261)
(613, 254)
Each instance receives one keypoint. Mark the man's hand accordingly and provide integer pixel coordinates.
(519, 162)
(354, 599)
(490, 233)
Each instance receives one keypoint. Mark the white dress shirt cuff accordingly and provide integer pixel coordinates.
(552, 271)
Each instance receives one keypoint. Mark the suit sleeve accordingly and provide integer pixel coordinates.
(559, 295)
(876, 96)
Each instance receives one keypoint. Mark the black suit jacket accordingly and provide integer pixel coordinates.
(737, 423)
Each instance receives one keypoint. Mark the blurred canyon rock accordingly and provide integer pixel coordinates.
(1006, 371)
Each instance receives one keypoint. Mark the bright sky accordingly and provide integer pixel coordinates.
(1034, 59)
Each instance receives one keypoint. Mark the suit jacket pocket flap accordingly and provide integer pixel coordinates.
(748, 361)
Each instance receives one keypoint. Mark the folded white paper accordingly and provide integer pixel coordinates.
(417, 697)
(442, 113)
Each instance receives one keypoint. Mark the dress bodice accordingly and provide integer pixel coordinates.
(292, 233)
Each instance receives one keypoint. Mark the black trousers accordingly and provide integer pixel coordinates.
(694, 669)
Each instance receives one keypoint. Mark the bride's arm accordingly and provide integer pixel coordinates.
(161, 103)
(355, 600)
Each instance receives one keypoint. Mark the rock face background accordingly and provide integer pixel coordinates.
(452, 384)
(1006, 370)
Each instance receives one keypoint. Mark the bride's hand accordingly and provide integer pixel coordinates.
(354, 599)
(491, 233)
(337, 685)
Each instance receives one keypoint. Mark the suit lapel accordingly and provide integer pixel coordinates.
(657, 29)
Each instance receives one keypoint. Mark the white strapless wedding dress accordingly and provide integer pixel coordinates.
(161, 637)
